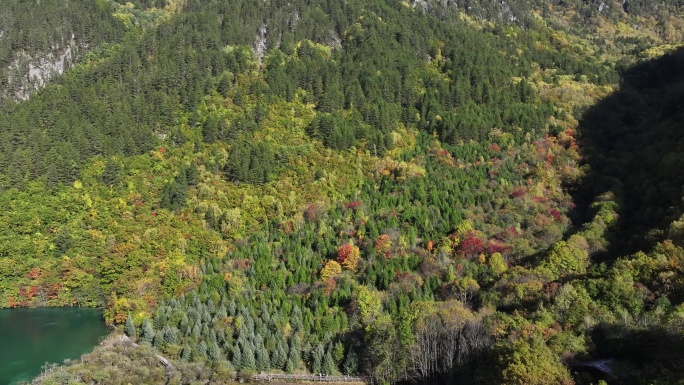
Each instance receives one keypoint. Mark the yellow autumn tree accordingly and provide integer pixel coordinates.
(331, 270)
(497, 264)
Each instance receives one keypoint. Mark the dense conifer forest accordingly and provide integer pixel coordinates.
(476, 192)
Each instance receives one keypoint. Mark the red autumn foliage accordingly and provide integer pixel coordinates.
(497, 248)
(517, 192)
(471, 246)
(352, 205)
(539, 199)
(30, 293)
(494, 148)
(343, 252)
(555, 214)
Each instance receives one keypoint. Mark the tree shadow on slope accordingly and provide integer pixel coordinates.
(641, 355)
(634, 147)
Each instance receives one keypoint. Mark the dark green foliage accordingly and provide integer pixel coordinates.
(170, 335)
(63, 241)
(250, 162)
(174, 193)
(317, 359)
(112, 173)
(82, 118)
(145, 3)
(291, 366)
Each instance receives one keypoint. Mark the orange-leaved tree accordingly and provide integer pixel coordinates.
(383, 245)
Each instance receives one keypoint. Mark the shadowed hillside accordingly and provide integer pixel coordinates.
(634, 141)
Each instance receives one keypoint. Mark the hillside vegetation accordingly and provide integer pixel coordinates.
(411, 191)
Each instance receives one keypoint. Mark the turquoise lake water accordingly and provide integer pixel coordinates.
(29, 338)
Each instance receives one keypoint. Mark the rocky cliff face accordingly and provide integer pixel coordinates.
(28, 72)
(40, 39)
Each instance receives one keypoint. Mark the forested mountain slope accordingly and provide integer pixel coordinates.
(416, 191)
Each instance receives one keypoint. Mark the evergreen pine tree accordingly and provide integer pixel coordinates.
(248, 360)
(237, 357)
(186, 353)
(351, 363)
(290, 367)
(329, 366)
(279, 356)
(202, 349)
(214, 351)
(262, 360)
(316, 365)
(184, 322)
(129, 327)
(110, 175)
(196, 330)
(158, 339)
(170, 335)
(147, 331)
